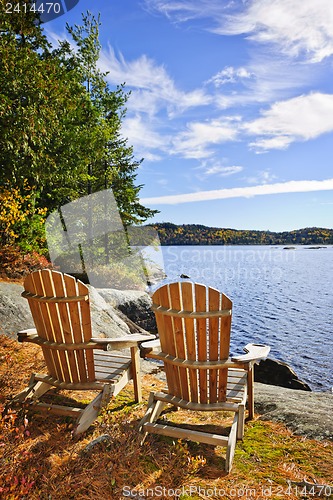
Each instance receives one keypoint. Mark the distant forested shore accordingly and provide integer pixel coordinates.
(195, 234)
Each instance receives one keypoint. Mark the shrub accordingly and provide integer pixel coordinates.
(15, 265)
(21, 222)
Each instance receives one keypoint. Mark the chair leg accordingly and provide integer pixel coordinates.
(34, 390)
(231, 444)
(241, 422)
(135, 356)
(21, 396)
(159, 407)
(154, 410)
(250, 382)
(90, 412)
(107, 394)
(40, 389)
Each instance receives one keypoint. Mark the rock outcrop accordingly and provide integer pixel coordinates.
(136, 305)
(14, 310)
(274, 372)
(305, 413)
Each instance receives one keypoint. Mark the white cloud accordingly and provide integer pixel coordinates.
(54, 38)
(215, 167)
(267, 81)
(243, 192)
(195, 142)
(222, 170)
(262, 177)
(301, 118)
(143, 137)
(229, 75)
(296, 27)
(153, 88)
(181, 10)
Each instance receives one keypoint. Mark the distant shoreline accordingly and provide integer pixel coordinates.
(194, 234)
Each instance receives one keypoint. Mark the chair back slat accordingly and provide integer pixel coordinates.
(62, 321)
(165, 324)
(225, 329)
(179, 341)
(86, 331)
(42, 318)
(71, 315)
(201, 304)
(194, 338)
(56, 326)
(213, 340)
(190, 337)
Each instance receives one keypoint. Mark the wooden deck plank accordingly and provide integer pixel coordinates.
(112, 364)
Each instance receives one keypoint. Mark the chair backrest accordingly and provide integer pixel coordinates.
(61, 312)
(194, 323)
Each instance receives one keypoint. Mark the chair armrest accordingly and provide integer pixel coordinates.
(152, 344)
(149, 346)
(125, 341)
(30, 335)
(254, 353)
(26, 335)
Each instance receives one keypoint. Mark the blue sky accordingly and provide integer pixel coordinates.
(231, 106)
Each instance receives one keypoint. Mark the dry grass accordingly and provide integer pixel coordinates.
(40, 460)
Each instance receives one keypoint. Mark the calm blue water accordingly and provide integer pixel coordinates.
(282, 298)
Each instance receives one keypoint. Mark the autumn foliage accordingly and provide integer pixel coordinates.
(40, 460)
(22, 237)
(17, 211)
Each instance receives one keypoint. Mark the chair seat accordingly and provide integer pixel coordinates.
(109, 366)
(236, 385)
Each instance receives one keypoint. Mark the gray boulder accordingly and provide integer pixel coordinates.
(134, 304)
(105, 320)
(305, 413)
(14, 310)
(274, 372)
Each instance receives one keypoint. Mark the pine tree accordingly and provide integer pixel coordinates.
(60, 123)
(114, 165)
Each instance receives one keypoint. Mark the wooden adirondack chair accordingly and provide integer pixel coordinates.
(194, 324)
(60, 308)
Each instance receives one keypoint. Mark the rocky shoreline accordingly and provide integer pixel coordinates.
(280, 395)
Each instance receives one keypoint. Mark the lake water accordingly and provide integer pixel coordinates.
(281, 297)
